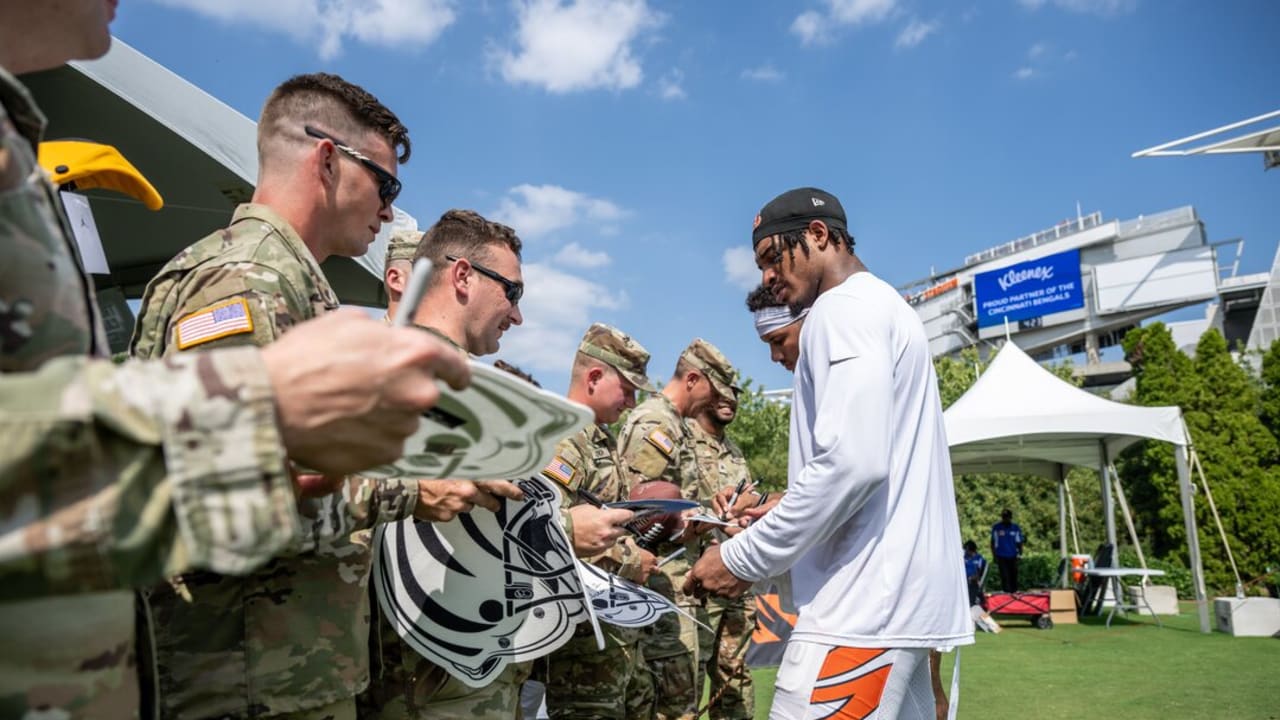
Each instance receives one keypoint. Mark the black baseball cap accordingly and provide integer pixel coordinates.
(795, 209)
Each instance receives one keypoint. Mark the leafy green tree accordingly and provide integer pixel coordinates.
(1222, 408)
(1270, 392)
(761, 429)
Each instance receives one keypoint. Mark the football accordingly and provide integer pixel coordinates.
(654, 529)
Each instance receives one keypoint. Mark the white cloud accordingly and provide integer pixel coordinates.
(808, 26)
(915, 32)
(536, 210)
(1037, 50)
(812, 26)
(578, 45)
(764, 73)
(1024, 73)
(1104, 8)
(740, 267)
(671, 87)
(574, 255)
(328, 24)
(856, 12)
(557, 307)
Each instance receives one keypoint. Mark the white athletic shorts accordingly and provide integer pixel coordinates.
(818, 681)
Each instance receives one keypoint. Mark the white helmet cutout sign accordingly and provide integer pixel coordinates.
(497, 427)
(484, 590)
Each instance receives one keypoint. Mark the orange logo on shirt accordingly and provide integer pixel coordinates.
(854, 695)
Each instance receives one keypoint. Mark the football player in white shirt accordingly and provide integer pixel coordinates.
(868, 527)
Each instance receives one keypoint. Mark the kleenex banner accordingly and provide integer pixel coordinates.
(1029, 289)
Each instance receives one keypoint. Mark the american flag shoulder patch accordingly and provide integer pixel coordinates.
(659, 439)
(229, 317)
(560, 471)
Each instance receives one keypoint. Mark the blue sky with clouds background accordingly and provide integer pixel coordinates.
(630, 142)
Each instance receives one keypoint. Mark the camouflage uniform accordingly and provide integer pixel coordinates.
(110, 476)
(291, 638)
(401, 246)
(657, 445)
(582, 681)
(404, 684)
(732, 695)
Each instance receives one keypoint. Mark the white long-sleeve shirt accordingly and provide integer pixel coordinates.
(868, 526)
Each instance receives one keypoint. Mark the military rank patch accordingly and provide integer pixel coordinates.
(659, 439)
(560, 471)
(230, 317)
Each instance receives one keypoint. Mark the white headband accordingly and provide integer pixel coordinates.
(775, 318)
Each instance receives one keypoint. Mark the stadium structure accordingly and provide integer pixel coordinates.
(1079, 285)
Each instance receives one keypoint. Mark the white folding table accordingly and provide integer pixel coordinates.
(1117, 576)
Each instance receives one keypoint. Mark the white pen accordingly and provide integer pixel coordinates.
(412, 295)
(670, 557)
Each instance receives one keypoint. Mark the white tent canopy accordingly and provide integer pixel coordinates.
(1020, 418)
(1018, 413)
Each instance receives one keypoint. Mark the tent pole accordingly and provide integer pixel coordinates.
(1108, 509)
(1193, 537)
(1062, 526)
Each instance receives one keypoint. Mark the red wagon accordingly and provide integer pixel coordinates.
(1032, 605)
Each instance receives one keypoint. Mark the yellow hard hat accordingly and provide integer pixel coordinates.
(93, 165)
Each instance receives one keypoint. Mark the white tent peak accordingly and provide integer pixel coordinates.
(1019, 417)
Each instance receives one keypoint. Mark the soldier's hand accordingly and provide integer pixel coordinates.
(500, 488)
(648, 566)
(595, 530)
(443, 500)
(756, 512)
(692, 528)
(720, 503)
(313, 485)
(349, 389)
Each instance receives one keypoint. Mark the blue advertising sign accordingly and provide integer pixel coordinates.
(1029, 289)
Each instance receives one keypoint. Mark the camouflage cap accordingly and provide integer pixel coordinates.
(619, 351)
(709, 361)
(402, 244)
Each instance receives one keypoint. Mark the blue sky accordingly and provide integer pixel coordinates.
(631, 142)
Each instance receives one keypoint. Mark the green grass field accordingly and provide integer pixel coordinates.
(1132, 671)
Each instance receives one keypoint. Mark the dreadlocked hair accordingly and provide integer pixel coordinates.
(793, 239)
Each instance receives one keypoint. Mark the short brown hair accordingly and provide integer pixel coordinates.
(507, 367)
(329, 102)
(464, 234)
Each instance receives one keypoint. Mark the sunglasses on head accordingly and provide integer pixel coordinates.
(388, 184)
(513, 290)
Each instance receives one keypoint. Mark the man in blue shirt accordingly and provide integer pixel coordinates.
(974, 568)
(1006, 546)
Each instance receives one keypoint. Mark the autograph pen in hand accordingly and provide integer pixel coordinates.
(742, 485)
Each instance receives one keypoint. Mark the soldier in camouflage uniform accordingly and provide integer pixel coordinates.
(292, 638)
(395, 269)
(582, 681)
(472, 299)
(657, 445)
(113, 476)
(471, 311)
(732, 695)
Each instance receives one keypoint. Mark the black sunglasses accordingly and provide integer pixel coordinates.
(514, 290)
(388, 184)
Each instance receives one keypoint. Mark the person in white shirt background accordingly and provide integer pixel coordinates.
(867, 529)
